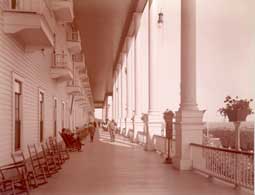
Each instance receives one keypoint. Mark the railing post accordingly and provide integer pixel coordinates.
(236, 171)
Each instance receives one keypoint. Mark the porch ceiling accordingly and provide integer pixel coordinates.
(102, 25)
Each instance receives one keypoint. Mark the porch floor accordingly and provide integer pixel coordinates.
(123, 168)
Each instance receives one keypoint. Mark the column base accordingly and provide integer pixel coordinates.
(182, 164)
(119, 125)
(189, 129)
(130, 128)
(155, 121)
(139, 130)
(123, 126)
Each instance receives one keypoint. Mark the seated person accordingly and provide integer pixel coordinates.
(74, 141)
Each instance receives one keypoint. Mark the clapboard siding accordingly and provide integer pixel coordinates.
(35, 70)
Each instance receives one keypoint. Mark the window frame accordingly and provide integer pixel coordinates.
(16, 77)
(55, 116)
(41, 139)
(63, 114)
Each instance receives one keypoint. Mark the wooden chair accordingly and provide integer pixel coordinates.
(6, 184)
(18, 157)
(58, 148)
(51, 151)
(14, 178)
(51, 161)
(71, 143)
(39, 165)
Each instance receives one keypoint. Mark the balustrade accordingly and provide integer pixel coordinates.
(233, 166)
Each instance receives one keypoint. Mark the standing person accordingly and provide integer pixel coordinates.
(91, 131)
(95, 125)
(111, 128)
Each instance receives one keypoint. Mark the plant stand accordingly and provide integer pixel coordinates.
(168, 159)
(168, 117)
(237, 134)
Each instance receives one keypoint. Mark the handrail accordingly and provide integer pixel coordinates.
(60, 60)
(164, 137)
(73, 36)
(223, 149)
(40, 7)
(77, 57)
(236, 167)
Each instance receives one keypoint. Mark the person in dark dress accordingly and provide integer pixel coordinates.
(92, 129)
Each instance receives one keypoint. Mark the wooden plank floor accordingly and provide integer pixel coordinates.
(122, 168)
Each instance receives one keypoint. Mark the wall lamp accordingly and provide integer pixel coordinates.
(160, 19)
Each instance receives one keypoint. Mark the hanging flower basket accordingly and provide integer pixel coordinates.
(236, 109)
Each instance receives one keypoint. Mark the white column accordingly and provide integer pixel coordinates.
(155, 68)
(133, 85)
(113, 97)
(142, 71)
(124, 91)
(138, 79)
(109, 106)
(119, 95)
(189, 120)
(130, 56)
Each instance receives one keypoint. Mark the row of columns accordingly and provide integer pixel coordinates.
(137, 82)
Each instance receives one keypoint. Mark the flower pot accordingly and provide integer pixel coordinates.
(237, 115)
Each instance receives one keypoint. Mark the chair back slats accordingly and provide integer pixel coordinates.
(18, 157)
(33, 172)
(38, 164)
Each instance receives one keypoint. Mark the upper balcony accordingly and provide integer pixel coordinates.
(61, 68)
(73, 88)
(73, 42)
(63, 10)
(30, 22)
(78, 60)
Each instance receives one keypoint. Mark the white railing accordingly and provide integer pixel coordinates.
(73, 36)
(160, 144)
(37, 6)
(141, 138)
(77, 58)
(232, 166)
(62, 61)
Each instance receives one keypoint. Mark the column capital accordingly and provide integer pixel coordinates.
(137, 19)
(122, 59)
(127, 44)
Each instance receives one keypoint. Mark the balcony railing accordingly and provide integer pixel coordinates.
(73, 36)
(23, 17)
(61, 61)
(63, 10)
(61, 68)
(77, 58)
(37, 6)
(160, 144)
(236, 167)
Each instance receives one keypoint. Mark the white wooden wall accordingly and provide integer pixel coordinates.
(34, 68)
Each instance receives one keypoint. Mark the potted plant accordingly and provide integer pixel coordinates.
(236, 109)
(168, 115)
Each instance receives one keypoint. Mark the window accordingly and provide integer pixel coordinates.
(55, 117)
(41, 115)
(63, 115)
(15, 4)
(17, 114)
